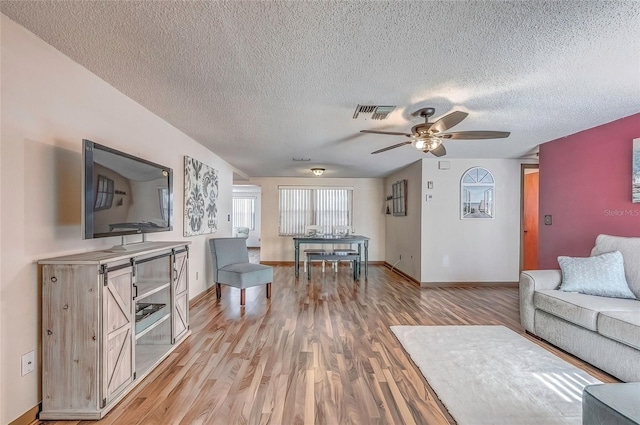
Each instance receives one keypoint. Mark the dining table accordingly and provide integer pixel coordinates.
(362, 241)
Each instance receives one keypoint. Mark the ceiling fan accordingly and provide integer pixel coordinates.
(428, 137)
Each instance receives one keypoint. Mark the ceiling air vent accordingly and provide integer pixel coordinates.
(377, 112)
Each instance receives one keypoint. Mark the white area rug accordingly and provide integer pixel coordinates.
(491, 375)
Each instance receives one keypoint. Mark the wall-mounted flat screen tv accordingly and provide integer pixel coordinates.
(124, 194)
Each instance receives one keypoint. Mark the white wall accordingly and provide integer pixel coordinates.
(472, 250)
(403, 241)
(49, 104)
(252, 191)
(368, 214)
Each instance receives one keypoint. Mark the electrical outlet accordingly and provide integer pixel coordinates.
(28, 362)
(548, 220)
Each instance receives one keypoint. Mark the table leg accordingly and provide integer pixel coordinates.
(366, 259)
(359, 257)
(355, 269)
(296, 258)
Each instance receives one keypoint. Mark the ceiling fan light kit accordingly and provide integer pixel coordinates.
(428, 137)
(318, 171)
(427, 144)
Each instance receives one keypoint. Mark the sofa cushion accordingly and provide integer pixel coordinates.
(580, 309)
(601, 275)
(623, 326)
(630, 249)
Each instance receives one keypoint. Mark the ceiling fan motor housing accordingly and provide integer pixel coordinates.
(425, 112)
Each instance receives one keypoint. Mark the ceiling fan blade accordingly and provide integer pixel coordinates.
(393, 133)
(467, 135)
(391, 147)
(439, 151)
(448, 121)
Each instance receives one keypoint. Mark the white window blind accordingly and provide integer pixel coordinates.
(244, 212)
(320, 206)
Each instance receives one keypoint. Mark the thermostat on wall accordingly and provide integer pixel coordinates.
(444, 165)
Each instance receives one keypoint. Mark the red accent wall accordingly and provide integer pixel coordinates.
(585, 184)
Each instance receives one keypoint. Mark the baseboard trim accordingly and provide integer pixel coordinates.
(278, 263)
(450, 284)
(290, 263)
(401, 273)
(468, 284)
(195, 300)
(28, 417)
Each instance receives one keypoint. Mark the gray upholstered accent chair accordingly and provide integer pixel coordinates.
(231, 267)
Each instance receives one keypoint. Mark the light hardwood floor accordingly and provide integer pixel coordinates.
(318, 352)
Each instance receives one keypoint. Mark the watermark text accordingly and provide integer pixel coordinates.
(622, 213)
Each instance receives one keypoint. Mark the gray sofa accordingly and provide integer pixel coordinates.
(602, 331)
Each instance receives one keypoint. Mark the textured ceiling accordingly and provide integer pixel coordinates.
(261, 82)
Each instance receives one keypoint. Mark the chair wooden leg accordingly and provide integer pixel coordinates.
(269, 290)
(242, 296)
(218, 290)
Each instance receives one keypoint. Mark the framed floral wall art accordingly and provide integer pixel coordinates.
(200, 198)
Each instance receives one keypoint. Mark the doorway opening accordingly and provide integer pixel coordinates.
(246, 213)
(530, 217)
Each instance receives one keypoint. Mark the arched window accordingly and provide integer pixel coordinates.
(477, 190)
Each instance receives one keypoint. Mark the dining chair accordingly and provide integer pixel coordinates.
(342, 231)
(314, 231)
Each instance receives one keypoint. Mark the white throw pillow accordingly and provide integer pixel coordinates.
(601, 275)
(630, 250)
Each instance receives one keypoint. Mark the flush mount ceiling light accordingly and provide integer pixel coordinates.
(317, 171)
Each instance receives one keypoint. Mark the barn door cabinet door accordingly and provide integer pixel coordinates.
(180, 310)
(118, 322)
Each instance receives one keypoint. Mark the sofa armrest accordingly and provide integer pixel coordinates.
(531, 281)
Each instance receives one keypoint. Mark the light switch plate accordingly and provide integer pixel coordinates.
(429, 185)
(548, 220)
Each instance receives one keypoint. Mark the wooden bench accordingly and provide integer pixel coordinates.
(335, 256)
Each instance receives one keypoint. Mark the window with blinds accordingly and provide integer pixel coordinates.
(244, 212)
(308, 206)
